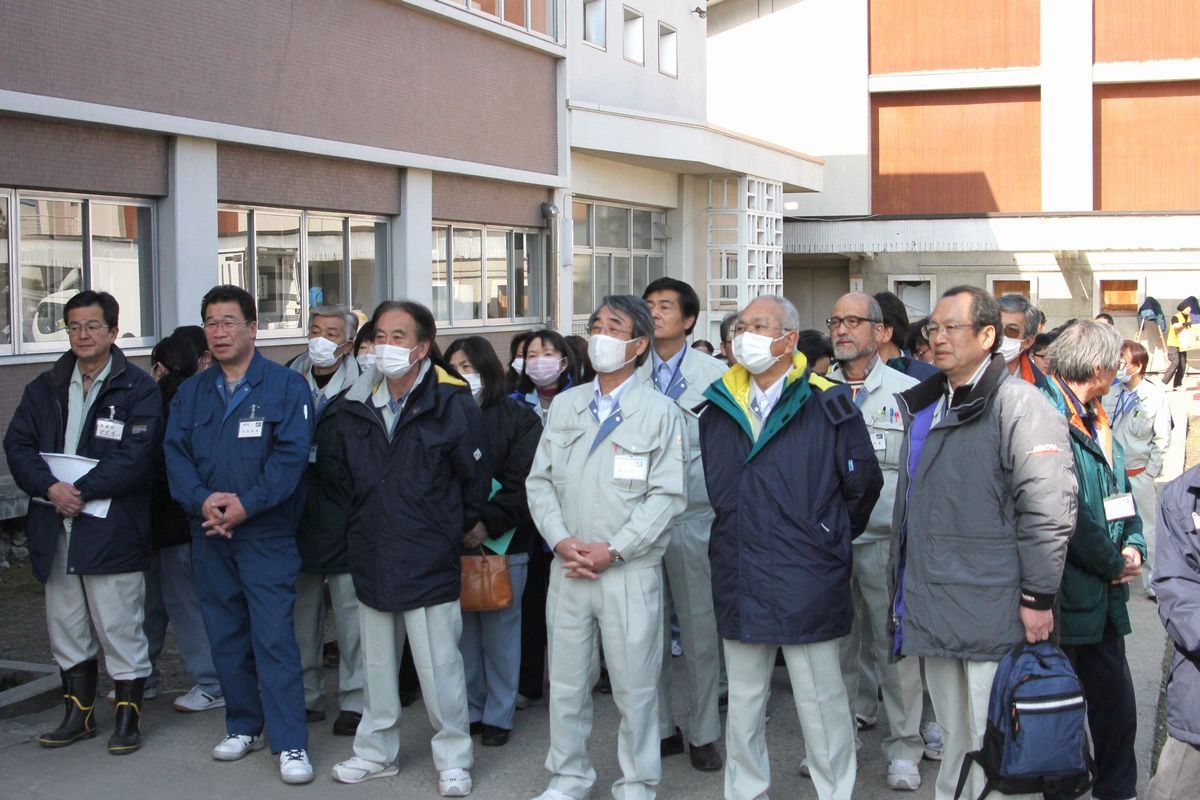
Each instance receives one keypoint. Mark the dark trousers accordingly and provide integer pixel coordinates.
(247, 590)
(1176, 368)
(1112, 712)
(533, 623)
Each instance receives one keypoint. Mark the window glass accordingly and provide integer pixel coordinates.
(621, 279)
(1000, 287)
(514, 12)
(326, 254)
(612, 226)
(583, 284)
(643, 230)
(635, 44)
(277, 270)
(121, 264)
(593, 21)
(668, 56)
(486, 6)
(50, 255)
(498, 288)
(657, 269)
(368, 265)
(603, 280)
(441, 278)
(5, 325)
(542, 16)
(527, 254)
(232, 243)
(581, 217)
(639, 275)
(1119, 295)
(468, 274)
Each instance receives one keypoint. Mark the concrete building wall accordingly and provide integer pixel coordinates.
(257, 176)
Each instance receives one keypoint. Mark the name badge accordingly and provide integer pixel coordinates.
(1119, 506)
(879, 440)
(312, 454)
(111, 429)
(250, 429)
(628, 467)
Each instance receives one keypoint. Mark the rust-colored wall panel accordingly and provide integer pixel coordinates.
(460, 198)
(1147, 146)
(369, 72)
(1145, 30)
(255, 176)
(956, 152)
(42, 154)
(915, 35)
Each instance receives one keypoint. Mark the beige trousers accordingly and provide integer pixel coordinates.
(309, 617)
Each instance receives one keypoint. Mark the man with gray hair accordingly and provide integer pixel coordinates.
(1105, 553)
(609, 477)
(792, 477)
(321, 538)
(1019, 323)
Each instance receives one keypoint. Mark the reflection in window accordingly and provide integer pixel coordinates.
(233, 242)
(277, 270)
(583, 285)
(5, 323)
(494, 274)
(612, 226)
(514, 12)
(622, 282)
(121, 264)
(441, 278)
(617, 250)
(498, 298)
(594, 12)
(368, 277)
(467, 276)
(326, 251)
(50, 254)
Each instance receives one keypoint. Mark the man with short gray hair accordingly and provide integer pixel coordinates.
(609, 477)
(1019, 321)
(792, 477)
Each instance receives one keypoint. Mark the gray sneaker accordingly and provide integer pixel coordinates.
(198, 700)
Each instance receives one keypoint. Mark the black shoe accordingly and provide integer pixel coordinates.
(408, 697)
(330, 654)
(347, 723)
(604, 685)
(127, 735)
(673, 744)
(476, 728)
(706, 757)
(494, 736)
(79, 700)
(314, 715)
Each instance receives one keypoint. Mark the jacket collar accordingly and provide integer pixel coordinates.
(423, 396)
(732, 395)
(968, 402)
(632, 399)
(60, 373)
(871, 382)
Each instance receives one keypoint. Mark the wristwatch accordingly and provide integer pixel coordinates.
(614, 555)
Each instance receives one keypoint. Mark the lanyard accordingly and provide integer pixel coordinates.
(1125, 403)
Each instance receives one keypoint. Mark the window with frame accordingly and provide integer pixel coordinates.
(1119, 295)
(534, 16)
(618, 250)
(487, 275)
(292, 261)
(634, 36)
(53, 246)
(668, 51)
(594, 14)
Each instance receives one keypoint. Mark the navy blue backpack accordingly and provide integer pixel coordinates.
(1036, 739)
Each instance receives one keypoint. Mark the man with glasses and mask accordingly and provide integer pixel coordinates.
(984, 507)
(237, 445)
(1019, 320)
(856, 327)
(329, 371)
(609, 477)
(94, 404)
(792, 476)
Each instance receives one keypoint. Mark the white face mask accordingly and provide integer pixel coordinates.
(475, 381)
(366, 361)
(518, 365)
(753, 351)
(544, 370)
(607, 353)
(322, 352)
(393, 360)
(1010, 349)
(1123, 375)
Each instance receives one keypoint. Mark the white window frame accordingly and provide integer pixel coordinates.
(632, 15)
(603, 43)
(16, 346)
(667, 31)
(594, 251)
(933, 287)
(551, 5)
(536, 287)
(1028, 277)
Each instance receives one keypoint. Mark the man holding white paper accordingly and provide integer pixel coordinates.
(83, 442)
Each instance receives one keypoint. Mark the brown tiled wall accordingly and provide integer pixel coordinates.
(364, 71)
(63, 156)
(461, 198)
(269, 177)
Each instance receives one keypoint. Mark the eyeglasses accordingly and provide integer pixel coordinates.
(932, 329)
(616, 333)
(1014, 331)
(760, 328)
(850, 322)
(92, 328)
(212, 325)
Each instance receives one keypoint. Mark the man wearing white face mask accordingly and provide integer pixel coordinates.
(792, 476)
(608, 479)
(1019, 320)
(321, 539)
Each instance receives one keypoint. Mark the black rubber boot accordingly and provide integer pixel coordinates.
(128, 734)
(79, 698)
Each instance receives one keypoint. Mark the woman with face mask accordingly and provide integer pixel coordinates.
(491, 640)
(364, 347)
(550, 368)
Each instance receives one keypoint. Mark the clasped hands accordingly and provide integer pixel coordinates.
(222, 512)
(1133, 566)
(583, 560)
(66, 499)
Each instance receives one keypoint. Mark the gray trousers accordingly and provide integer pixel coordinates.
(689, 588)
(1145, 496)
(432, 634)
(171, 598)
(491, 650)
(309, 618)
(85, 613)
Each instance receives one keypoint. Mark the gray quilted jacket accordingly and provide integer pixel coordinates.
(1177, 582)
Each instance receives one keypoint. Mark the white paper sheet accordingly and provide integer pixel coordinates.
(69, 469)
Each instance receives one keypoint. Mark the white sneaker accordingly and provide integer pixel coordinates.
(676, 648)
(553, 794)
(863, 722)
(198, 700)
(357, 770)
(294, 767)
(935, 740)
(804, 770)
(903, 775)
(454, 783)
(236, 745)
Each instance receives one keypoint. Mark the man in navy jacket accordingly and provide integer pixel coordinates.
(91, 403)
(237, 446)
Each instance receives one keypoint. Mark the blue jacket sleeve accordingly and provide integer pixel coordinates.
(25, 462)
(131, 466)
(858, 467)
(186, 487)
(288, 459)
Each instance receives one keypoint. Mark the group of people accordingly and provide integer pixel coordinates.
(889, 525)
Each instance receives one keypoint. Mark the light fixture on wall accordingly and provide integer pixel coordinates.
(700, 12)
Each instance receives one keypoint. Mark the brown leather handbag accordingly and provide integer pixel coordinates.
(485, 582)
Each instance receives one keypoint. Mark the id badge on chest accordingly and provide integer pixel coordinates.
(879, 441)
(1119, 506)
(111, 429)
(250, 427)
(628, 467)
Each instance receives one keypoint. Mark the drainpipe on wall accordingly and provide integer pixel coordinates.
(552, 216)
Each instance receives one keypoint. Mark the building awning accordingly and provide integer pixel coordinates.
(687, 147)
